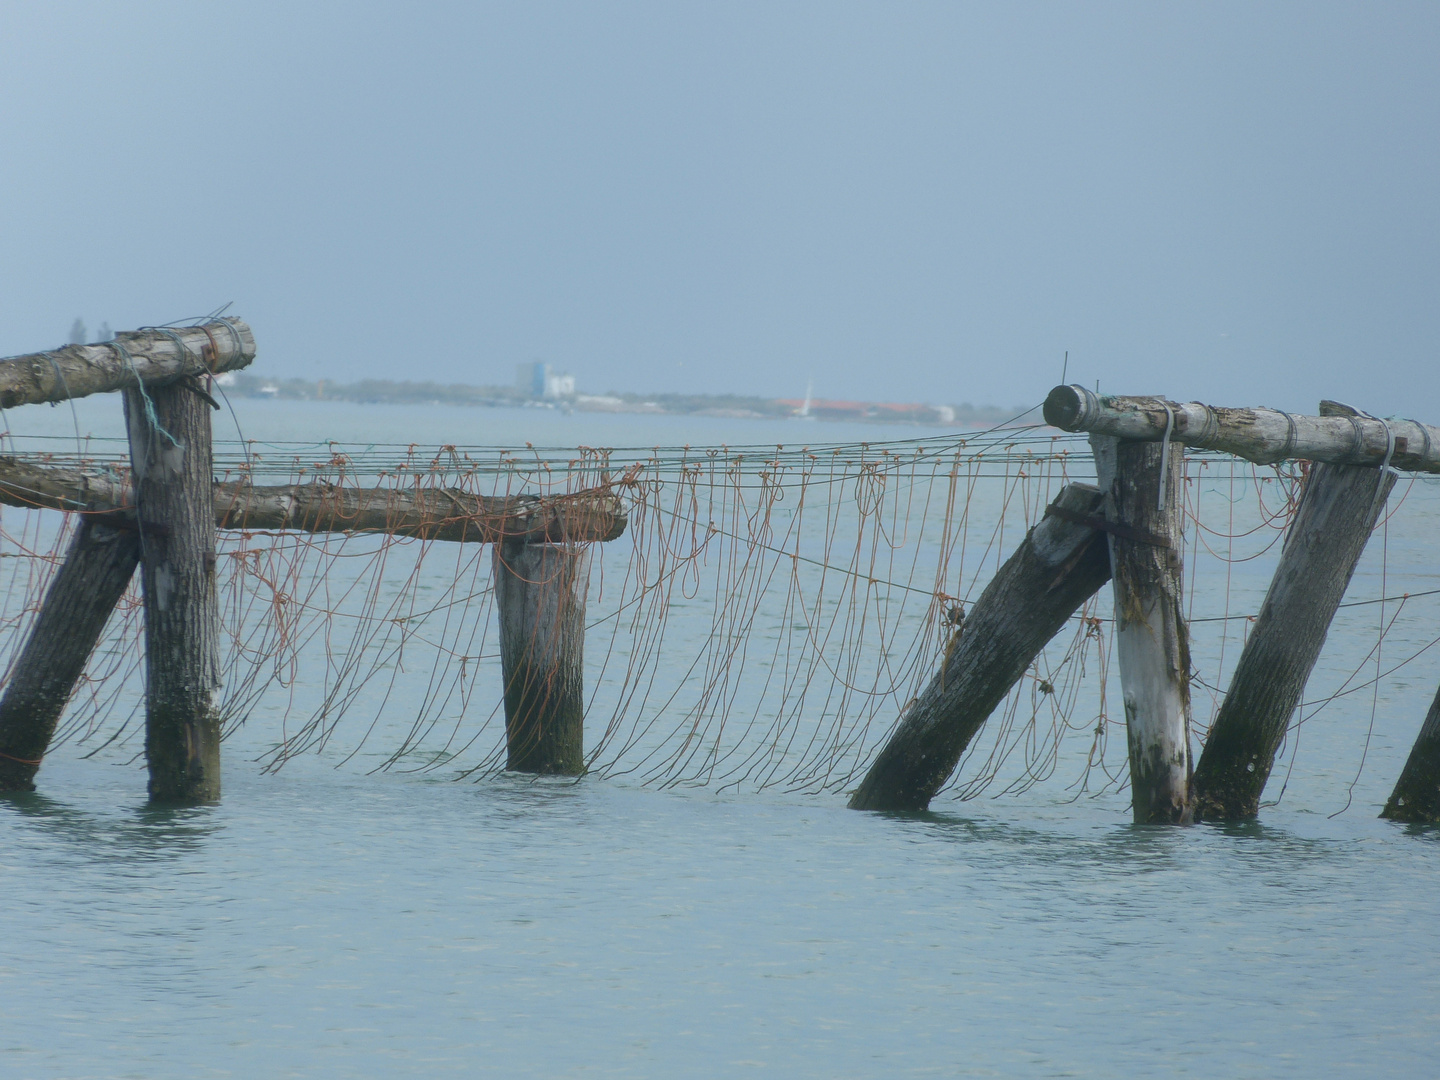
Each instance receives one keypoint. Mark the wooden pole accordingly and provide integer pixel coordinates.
(153, 356)
(1142, 486)
(1338, 436)
(170, 456)
(1060, 565)
(88, 585)
(318, 507)
(1338, 510)
(1417, 793)
(540, 595)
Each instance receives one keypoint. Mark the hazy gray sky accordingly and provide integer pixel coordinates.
(1238, 203)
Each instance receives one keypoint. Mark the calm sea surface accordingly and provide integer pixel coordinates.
(329, 921)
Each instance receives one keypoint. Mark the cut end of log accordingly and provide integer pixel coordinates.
(1068, 407)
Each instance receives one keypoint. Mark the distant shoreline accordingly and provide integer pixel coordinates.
(729, 406)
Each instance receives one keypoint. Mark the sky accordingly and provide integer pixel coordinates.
(1235, 203)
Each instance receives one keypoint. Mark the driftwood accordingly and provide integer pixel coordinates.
(152, 357)
(1152, 644)
(1061, 564)
(540, 598)
(1263, 436)
(318, 507)
(1417, 793)
(98, 567)
(1338, 509)
(170, 457)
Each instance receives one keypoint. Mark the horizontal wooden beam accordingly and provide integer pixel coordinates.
(317, 507)
(1339, 436)
(154, 355)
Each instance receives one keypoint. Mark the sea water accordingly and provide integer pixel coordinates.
(325, 921)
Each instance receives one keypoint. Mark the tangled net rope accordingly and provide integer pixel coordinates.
(761, 623)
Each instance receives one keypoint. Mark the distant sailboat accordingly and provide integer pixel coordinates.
(804, 413)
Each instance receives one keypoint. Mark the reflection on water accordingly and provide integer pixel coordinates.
(328, 923)
(144, 833)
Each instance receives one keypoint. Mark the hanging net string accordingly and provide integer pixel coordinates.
(763, 620)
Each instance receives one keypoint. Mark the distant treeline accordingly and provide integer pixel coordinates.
(371, 391)
(390, 392)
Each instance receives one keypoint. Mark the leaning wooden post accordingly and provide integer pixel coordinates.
(170, 455)
(88, 585)
(1142, 485)
(1417, 793)
(540, 595)
(1060, 565)
(1338, 510)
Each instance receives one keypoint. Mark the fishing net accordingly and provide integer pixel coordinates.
(762, 622)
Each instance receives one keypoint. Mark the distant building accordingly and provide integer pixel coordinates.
(538, 380)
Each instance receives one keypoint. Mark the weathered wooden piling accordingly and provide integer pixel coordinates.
(1142, 484)
(170, 456)
(1338, 509)
(540, 592)
(89, 583)
(1061, 564)
(1417, 793)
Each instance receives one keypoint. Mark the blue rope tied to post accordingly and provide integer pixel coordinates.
(205, 322)
(65, 388)
(179, 342)
(150, 416)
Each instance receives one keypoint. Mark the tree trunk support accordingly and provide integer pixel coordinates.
(1417, 793)
(540, 595)
(429, 513)
(154, 356)
(170, 455)
(1338, 510)
(88, 585)
(1340, 435)
(1061, 564)
(1142, 485)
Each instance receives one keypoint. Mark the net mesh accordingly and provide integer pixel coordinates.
(762, 622)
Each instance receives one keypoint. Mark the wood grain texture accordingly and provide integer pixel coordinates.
(540, 592)
(1338, 436)
(151, 356)
(1152, 643)
(1058, 566)
(173, 473)
(1338, 510)
(1417, 793)
(90, 582)
(318, 507)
